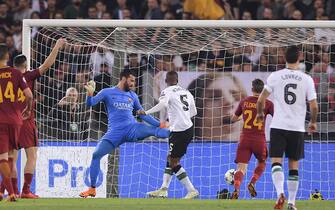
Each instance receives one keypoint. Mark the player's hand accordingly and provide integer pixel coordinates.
(60, 43)
(260, 118)
(26, 113)
(311, 128)
(141, 112)
(164, 125)
(90, 88)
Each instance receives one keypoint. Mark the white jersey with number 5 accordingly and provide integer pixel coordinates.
(180, 107)
(290, 89)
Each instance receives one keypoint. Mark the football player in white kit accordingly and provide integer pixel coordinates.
(180, 108)
(290, 88)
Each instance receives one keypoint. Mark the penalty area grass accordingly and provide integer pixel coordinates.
(154, 204)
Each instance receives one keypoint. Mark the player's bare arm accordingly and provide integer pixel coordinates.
(52, 56)
(29, 99)
(313, 106)
(261, 104)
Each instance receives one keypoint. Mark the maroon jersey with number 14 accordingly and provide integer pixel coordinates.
(12, 84)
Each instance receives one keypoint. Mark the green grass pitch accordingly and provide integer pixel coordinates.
(155, 204)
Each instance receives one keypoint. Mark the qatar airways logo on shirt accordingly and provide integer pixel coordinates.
(124, 106)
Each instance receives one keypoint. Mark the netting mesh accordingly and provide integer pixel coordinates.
(216, 64)
(174, 41)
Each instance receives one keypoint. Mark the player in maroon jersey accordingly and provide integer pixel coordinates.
(12, 87)
(28, 134)
(252, 139)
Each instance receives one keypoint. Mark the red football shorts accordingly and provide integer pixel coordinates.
(28, 135)
(246, 148)
(9, 135)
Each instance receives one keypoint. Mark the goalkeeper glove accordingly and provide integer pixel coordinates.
(90, 88)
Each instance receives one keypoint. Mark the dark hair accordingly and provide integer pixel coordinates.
(19, 60)
(126, 73)
(257, 85)
(292, 54)
(172, 75)
(3, 51)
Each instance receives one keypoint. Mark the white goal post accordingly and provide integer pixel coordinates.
(216, 60)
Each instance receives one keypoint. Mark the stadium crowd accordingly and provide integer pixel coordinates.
(318, 60)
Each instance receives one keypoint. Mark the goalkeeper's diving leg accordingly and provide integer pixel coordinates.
(140, 131)
(103, 148)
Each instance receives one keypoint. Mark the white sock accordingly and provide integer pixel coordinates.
(278, 179)
(167, 177)
(292, 187)
(183, 178)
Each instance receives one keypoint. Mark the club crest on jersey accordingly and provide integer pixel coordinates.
(130, 100)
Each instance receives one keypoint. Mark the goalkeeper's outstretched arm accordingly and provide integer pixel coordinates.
(90, 99)
(147, 118)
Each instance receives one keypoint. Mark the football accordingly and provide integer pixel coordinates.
(229, 176)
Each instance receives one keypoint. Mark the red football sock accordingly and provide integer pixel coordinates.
(15, 187)
(238, 177)
(2, 187)
(5, 171)
(27, 181)
(258, 172)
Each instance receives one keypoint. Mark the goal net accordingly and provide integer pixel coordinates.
(216, 61)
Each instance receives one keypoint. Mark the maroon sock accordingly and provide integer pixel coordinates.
(15, 187)
(27, 181)
(258, 172)
(6, 180)
(238, 177)
(2, 187)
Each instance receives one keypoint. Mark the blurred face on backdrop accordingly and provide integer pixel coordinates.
(221, 99)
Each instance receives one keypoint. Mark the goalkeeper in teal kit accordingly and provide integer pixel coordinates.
(120, 102)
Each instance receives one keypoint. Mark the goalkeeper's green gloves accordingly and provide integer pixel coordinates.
(90, 88)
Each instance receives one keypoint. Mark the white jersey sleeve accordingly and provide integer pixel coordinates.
(193, 108)
(163, 103)
(270, 83)
(311, 93)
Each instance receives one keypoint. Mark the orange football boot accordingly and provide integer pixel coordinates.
(90, 192)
